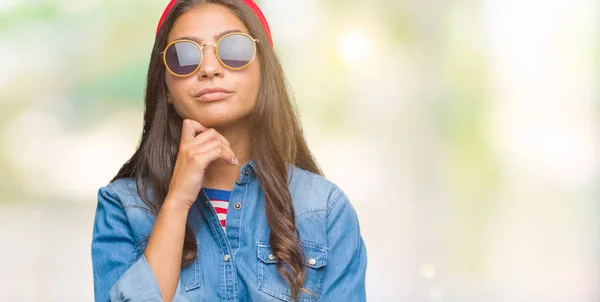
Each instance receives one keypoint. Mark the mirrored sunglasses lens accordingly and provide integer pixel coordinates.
(236, 50)
(183, 57)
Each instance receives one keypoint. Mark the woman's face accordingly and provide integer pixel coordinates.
(205, 24)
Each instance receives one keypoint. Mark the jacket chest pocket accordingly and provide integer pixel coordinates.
(272, 283)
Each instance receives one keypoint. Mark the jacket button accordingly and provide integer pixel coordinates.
(312, 261)
(237, 205)
(226, 258)
(271, 257)
(246, 172)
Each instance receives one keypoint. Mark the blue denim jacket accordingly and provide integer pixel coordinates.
(235, 265)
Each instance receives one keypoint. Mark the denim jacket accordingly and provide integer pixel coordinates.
(235, 264)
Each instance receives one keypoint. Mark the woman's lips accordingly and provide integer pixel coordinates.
(210, 94)
(213, 96)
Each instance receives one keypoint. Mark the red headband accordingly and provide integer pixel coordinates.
(250, 4)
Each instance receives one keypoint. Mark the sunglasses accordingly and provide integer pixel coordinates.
(234, 51)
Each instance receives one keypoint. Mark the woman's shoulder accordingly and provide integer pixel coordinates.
(124, 190)
(313, 192)
(121, 185)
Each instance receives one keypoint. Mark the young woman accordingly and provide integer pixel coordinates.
(222, 200)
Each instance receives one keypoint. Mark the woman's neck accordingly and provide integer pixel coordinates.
(220, 174)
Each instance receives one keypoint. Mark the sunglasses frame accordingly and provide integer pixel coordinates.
(201, 48)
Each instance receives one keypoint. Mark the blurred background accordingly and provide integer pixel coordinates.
(465, 132)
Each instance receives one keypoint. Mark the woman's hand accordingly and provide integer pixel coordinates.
(196, 152)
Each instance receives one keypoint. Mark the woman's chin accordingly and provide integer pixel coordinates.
(215, 122)
(218, 119)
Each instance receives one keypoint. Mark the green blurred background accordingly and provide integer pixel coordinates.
(465, 133)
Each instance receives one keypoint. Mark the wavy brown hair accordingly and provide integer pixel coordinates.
(277, 140)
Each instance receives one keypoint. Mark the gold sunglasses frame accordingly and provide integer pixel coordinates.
(201, 48)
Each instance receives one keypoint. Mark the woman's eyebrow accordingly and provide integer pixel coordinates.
(217, 36)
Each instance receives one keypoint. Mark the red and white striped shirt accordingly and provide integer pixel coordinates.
(220, 201)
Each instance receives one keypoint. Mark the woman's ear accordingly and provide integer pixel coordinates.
(169, 98)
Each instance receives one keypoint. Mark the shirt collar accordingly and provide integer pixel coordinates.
(247, 171)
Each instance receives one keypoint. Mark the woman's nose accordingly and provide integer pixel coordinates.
(210, 66)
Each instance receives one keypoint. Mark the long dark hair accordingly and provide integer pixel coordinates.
(277, 140)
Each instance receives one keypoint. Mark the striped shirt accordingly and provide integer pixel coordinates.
(220, 201)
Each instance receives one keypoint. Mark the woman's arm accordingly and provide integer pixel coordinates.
(347, 262)
(165, 246)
